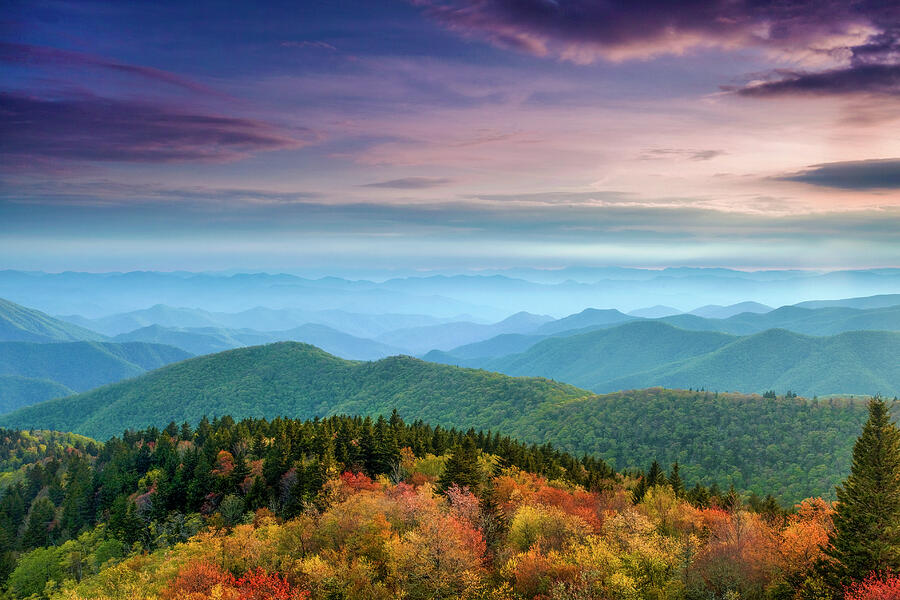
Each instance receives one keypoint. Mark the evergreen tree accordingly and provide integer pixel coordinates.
(675, 481)
(40, 524)
(462, 467)
(655, 476)
(866, 534)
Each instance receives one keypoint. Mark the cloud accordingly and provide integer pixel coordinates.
(583, 31)
(856, 79)
(104, 193)
(696, 155)
(879, 174)
(90, 128)
(410, 183)
(856, 45)
(318, 45)
(48, 56)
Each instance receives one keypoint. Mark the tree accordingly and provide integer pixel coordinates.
(675, 481)
(462, 467)
(655, 476)
(866, 536)
(40, 524)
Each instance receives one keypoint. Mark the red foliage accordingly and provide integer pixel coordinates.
(224, 464)
(194, 581)
(358, 481)
(259, 584)
(875, 587)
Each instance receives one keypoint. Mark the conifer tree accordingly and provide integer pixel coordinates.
(462, 467)
(675, 481)
(866, 534)
(655, 476)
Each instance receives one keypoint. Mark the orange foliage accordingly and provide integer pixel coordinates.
(202, 580)
(805, 535)
(195, 581)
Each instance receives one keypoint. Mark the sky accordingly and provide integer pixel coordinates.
(449, 134)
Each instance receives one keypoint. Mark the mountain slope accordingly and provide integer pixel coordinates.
(208, 340)
(293, 379)
(589, 317)
(856, 362)
(796, 446)
(451, 335)
(84, 365)
(21, 324)
(716, 311)
(879, 301)
(17, 391)
(589, 360)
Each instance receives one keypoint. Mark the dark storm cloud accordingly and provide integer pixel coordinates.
(91, 128)
(410, 183)
(870, 79)
(583, 31)
(880, 174)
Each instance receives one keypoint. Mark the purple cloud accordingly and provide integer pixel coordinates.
(103, 129)
(410, 183)
(877, 174)
(866, 34)
(48, 56)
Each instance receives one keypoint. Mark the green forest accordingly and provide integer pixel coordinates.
(790, 446)
(359, 508)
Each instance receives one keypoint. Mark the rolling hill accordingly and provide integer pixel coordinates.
(655, 353)
(794, 445)
(818, 321)
(81, 366)
(208, 340)
(856, 362)
(21, 324)
(716, 311)
(590, 360)
(292, 379)
(17, 391)
(444, 336)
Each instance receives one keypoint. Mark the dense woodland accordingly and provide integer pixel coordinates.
(791, 447)
(350, 507)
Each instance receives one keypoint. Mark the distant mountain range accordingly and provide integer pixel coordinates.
(810, 440)
(643, 354)
(488, 297)
(21, 324)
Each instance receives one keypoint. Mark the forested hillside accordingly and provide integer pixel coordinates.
(792, 446)
(17, 391)
(21, 324)
(364, 509)
(84, 365)
(208, 340)
(653, 353)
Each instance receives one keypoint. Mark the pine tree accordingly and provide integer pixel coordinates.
(462, 467)
(675, 481)
(655, 476)
(866, 534)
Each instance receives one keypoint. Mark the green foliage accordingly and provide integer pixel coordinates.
(84, 365)
(794, 447)
(653, 353)
(462, 467)
(17, 391)
(866, 535)
(21, 324)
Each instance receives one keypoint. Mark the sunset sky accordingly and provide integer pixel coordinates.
(449, 134)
